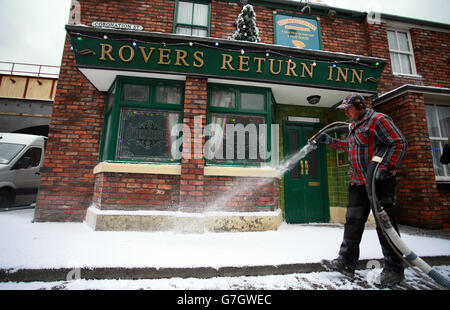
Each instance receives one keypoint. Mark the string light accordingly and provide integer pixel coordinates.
(216, 44)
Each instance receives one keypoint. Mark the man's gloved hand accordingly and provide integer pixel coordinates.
(382, 174)
(323, 138)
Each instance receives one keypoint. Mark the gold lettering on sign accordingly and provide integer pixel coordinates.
(259, 60)
(146, 56)
(130, 58)
(164, 56)
(271, 66)
(226, 61)
(106, 51)
(358, 77)
(310, 71)
(291, 65)
(330, 73)
(243, 61)
(181, 56)
(340, 74)
(198, 59)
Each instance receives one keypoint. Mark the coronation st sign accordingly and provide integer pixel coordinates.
(217, 62)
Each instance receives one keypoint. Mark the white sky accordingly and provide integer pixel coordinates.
(32, 31)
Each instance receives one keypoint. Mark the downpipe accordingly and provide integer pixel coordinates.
(394, 240)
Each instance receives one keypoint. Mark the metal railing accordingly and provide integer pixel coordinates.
(26, 69)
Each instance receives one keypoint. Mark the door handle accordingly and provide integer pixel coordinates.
(306, 167)
(301, 167)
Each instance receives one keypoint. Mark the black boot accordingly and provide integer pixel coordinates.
(339, 265)
(390, 277)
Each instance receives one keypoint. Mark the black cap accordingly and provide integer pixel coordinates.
(354, 99)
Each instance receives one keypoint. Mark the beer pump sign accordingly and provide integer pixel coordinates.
(296, 31)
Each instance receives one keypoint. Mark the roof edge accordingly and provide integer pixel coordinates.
(410, 88)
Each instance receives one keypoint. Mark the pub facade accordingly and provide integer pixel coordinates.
(163, 121)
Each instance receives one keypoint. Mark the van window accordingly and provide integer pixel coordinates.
(8, 151)
(34, 153)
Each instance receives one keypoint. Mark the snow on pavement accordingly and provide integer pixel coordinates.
(61, 245)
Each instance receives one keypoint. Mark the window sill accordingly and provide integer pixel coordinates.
(264, 172)
(403, 75)
(174, 169)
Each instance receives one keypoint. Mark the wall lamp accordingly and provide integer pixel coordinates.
(314, 99)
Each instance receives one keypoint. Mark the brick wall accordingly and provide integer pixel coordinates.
(128, 191)
(432, 56)
(73, 146)
(242, 193)
(420, 202)
(192, 162)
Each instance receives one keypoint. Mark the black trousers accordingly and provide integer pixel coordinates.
(357, 212)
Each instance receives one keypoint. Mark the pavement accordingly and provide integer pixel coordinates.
(306, 275)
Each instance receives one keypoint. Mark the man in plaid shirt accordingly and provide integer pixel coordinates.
(369, 133)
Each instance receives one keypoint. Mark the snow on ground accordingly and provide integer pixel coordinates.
(364, 280)
(25, 244)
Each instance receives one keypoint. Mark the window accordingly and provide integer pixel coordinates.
(192, 18)
(237, 133)
(139, 116)
(438, 119)
(400, 48)
(30, 159)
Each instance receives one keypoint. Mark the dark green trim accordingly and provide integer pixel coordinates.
(111, 128)
(238, 90)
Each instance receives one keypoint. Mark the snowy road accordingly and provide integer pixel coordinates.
(364, 280)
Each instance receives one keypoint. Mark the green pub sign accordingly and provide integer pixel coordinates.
(201, 60)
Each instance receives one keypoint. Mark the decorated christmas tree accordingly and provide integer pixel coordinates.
(246, 25)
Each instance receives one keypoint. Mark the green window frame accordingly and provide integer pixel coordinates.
(124, 138)
(240, 112)
(190, 27)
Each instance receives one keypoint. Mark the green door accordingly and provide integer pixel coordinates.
(305, 185)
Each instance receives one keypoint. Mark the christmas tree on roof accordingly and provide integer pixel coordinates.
(246, 25)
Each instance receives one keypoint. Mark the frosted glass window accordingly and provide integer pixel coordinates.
(135, 93)
(185, 12)
(200, 14)
(192, 18)
(252, 101)
(402, 58)
(438, 120)
(169, 95)
(223, 98)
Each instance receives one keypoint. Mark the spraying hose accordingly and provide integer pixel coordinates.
(330, 128)
(394, 240)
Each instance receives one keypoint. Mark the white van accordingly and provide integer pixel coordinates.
(21, 157)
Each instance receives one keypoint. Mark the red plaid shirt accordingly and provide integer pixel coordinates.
(367, 136)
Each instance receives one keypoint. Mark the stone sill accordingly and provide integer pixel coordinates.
(241, 172)
(175, 169)
(138, 168)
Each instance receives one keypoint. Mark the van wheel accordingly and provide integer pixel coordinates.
(6, 198)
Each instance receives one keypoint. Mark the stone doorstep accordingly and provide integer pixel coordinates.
(103, 273)
(100, 220)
